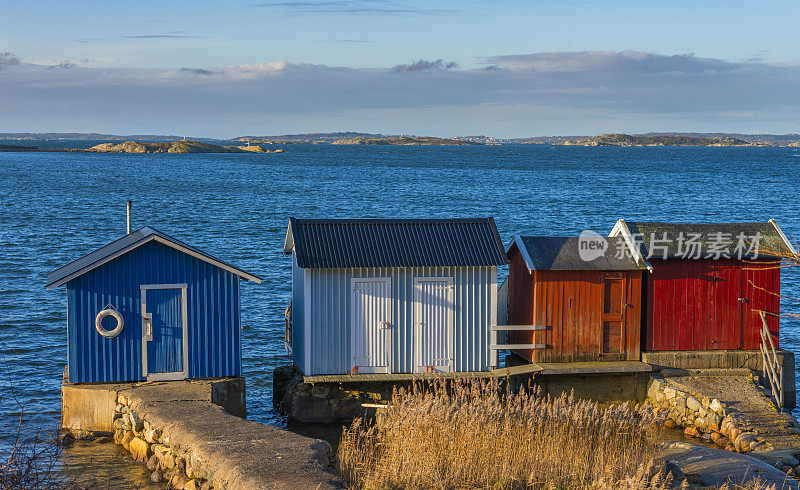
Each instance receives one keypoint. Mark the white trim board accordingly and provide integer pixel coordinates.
(621, 228)
(783, 236)
(517, 242)
(306, 321)
(163, 241)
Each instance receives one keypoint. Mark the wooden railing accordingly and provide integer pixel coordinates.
(287, 339)
(524, 328)
(773, 369)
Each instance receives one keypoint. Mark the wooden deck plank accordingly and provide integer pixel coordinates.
(544, 368)
(363, 378)
(601, 367)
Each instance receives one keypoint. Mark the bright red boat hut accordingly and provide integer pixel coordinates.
(708, 282)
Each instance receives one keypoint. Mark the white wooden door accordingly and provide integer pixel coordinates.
(370, 333)
(433, 324)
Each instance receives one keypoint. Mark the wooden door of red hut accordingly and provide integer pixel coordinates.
(614, 306)
(708, 301)
(579, 308)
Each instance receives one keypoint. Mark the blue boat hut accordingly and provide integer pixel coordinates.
(150, 307)
(393, 295)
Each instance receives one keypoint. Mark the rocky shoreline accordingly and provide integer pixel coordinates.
(712, 421)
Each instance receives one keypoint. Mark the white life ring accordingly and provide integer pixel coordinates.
(98, 323)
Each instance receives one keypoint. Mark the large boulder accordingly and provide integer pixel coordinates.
(282, 377)
(693, 404)
(140, 449)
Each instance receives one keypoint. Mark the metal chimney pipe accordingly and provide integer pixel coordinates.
(128, 205)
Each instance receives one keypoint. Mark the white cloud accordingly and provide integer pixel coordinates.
(555, 89)
(8, 59)
(617, 62)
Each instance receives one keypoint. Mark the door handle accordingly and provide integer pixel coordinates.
(148, 325)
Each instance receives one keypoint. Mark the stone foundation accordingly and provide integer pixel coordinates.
(727, 359)
(709, 419)
(326, 403)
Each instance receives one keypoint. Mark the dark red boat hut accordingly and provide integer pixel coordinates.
(708, 282)
(568, 305)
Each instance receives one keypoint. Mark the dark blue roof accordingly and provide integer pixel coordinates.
(123, 245)
(339, 243)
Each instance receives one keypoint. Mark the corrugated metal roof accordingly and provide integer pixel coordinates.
(563, 253)
(671, 240)
(338, 243)
(127, 243)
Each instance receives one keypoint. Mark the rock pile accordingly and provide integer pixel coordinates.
(702, 418)
(324, 403)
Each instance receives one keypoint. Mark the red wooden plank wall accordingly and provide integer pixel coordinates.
(708, 304)
(570, 304)
(520, 300)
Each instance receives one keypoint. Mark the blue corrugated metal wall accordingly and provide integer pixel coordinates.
(212, 307)
(475, 298)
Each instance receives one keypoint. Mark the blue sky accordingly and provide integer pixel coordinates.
(507, 68)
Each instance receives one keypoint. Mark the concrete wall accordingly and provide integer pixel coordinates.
(188, 442)
(603, 388)
(88, 407)
(91, 406)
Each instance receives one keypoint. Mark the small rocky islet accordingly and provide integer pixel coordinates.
(621, 139)
(185, 146)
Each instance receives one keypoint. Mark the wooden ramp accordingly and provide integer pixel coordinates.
(550, 369)
(576, 368)
(396, 377)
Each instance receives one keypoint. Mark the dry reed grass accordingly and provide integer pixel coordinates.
(475, 434)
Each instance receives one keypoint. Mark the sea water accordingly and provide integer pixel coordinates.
(56, 207)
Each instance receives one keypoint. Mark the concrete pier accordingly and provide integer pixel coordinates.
(185, 434)
(728, 408)
(727, 359)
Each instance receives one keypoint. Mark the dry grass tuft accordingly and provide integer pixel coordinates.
(474, 434)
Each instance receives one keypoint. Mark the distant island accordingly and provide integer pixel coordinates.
(184, 146)
(18, 148)
(22, 141)
(307, 137)
(90, 137)
(403, 140)
(350, 138)
(620, 139)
